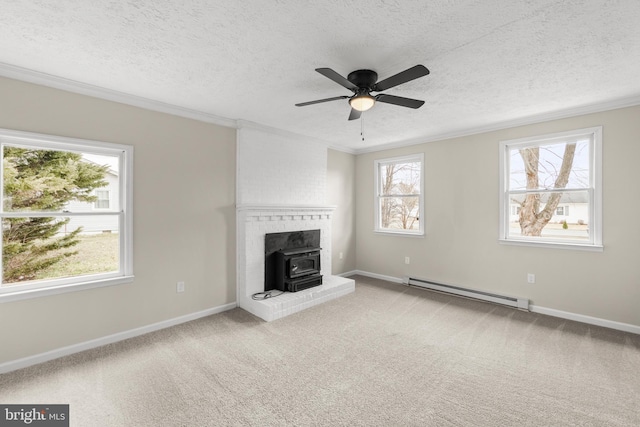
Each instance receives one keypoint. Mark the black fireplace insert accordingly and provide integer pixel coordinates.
(292, 260)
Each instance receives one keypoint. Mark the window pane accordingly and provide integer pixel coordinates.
(569, 222)
(551, 191)
(65, 214)
(547, 161)
(400, 213)
(39, 180)
(399, 178)
(47, 248)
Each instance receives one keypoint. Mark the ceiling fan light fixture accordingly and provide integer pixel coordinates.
(362, 102)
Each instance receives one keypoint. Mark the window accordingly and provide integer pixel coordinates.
(555, 184)
(399, 200)
(102, 199)
(53, 239)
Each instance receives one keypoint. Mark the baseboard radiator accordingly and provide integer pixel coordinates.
(519, 303)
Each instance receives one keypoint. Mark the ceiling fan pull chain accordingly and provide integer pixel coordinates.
(362, 127)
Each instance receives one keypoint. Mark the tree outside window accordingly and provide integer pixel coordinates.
(52, 237)
(37, 180)
(551, 191)
(399, 204)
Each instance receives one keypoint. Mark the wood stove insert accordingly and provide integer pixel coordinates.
(292, 260)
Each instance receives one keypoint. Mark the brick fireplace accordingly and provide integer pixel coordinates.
(281, 188)
(254, 222)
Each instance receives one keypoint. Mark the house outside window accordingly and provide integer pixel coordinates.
(399, 200)
(53, 239)
(554, 182)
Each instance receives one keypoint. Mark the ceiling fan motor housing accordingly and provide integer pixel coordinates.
(364, 79)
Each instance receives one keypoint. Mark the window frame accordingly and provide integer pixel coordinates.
(378, 163)
(125, 274)
(594, 189)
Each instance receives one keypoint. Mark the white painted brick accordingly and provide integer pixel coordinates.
(274, 170)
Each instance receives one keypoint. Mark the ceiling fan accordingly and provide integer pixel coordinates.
(363, 82)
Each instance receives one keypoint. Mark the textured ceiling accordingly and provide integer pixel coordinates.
(492, 61)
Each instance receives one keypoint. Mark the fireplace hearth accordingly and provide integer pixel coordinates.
(292, 260)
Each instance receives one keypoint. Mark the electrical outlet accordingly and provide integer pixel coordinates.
(407, 260)
(531, 278)
(341, 255)
(180, 287)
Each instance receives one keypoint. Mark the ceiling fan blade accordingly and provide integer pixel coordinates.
(302, 104)
(399, 100)
(402, 77)
(329, 73)
(355, 114)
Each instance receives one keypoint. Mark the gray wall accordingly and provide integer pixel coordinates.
(341, 193)
(461, 244)
(184, 220)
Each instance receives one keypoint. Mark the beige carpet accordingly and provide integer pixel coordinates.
(386, 355)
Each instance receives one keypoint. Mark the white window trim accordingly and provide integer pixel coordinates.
(595, 207)
(125, 213)
(419, 157)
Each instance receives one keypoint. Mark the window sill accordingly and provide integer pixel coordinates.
(553, 245)
(399, 233)
(61, 289)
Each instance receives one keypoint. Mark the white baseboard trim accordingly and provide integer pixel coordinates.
(347, 273)
(377, 276)
(611, 324)
(13, 365)
(626, 327)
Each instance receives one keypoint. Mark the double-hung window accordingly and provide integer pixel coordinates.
(551, 190)
(399, 202)
(53, 237)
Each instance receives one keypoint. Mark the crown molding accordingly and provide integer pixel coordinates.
(74, 86)
(615, 104)
(36, 77)
(30, 76)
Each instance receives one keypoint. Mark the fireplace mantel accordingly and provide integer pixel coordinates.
(284, 208)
